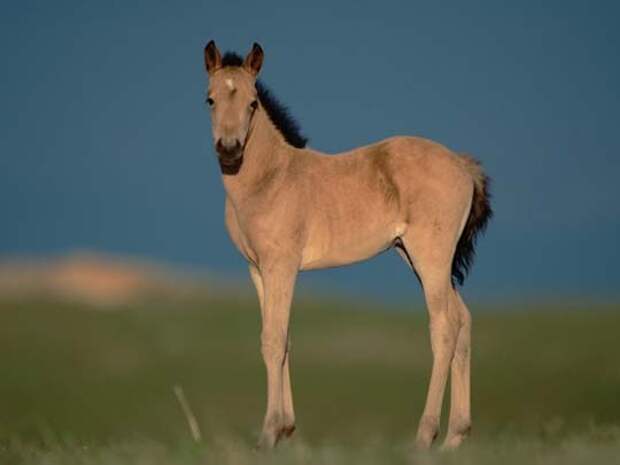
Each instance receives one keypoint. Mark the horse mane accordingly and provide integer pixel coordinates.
(278, 113)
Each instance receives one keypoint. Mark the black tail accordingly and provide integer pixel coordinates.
(479, 216)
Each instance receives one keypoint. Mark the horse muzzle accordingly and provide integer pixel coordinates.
(229, 151)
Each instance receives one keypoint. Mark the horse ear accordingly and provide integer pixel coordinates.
(213, 59)
(254, 60)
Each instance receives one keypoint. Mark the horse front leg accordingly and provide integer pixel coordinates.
(277, 282)
(443, 332)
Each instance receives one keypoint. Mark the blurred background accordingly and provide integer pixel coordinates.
(106, 140)
(118, 280)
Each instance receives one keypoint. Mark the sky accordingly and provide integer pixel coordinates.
(105, 138)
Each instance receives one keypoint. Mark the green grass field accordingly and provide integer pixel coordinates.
(88, 386)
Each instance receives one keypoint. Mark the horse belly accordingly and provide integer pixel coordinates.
(346, 247)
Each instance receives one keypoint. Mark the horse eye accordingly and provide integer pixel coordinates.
(254, 104)
(210, 101)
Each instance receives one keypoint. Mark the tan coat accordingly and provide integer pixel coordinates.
(290, 209)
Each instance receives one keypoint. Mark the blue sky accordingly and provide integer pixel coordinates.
(105, 139)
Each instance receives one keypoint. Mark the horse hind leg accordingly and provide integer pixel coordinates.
(430, 255)
(459, 423)
(288, 427)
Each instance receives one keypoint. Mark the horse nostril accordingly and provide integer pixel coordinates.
(228, 147)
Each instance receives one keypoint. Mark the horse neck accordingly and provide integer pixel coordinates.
(265, 151)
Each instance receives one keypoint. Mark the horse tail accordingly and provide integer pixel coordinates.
(479, 215)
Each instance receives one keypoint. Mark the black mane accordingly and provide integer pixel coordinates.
(232, 59)
(278, 113)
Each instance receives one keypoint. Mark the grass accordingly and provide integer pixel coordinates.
(87, 386)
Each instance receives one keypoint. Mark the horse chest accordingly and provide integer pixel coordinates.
(269, 234)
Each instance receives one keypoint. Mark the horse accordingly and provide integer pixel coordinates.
(291, 208)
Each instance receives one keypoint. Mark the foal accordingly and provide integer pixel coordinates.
(290, 208)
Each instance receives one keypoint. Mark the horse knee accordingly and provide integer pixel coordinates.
(273, 347)
(444, 332)
(463, 348)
